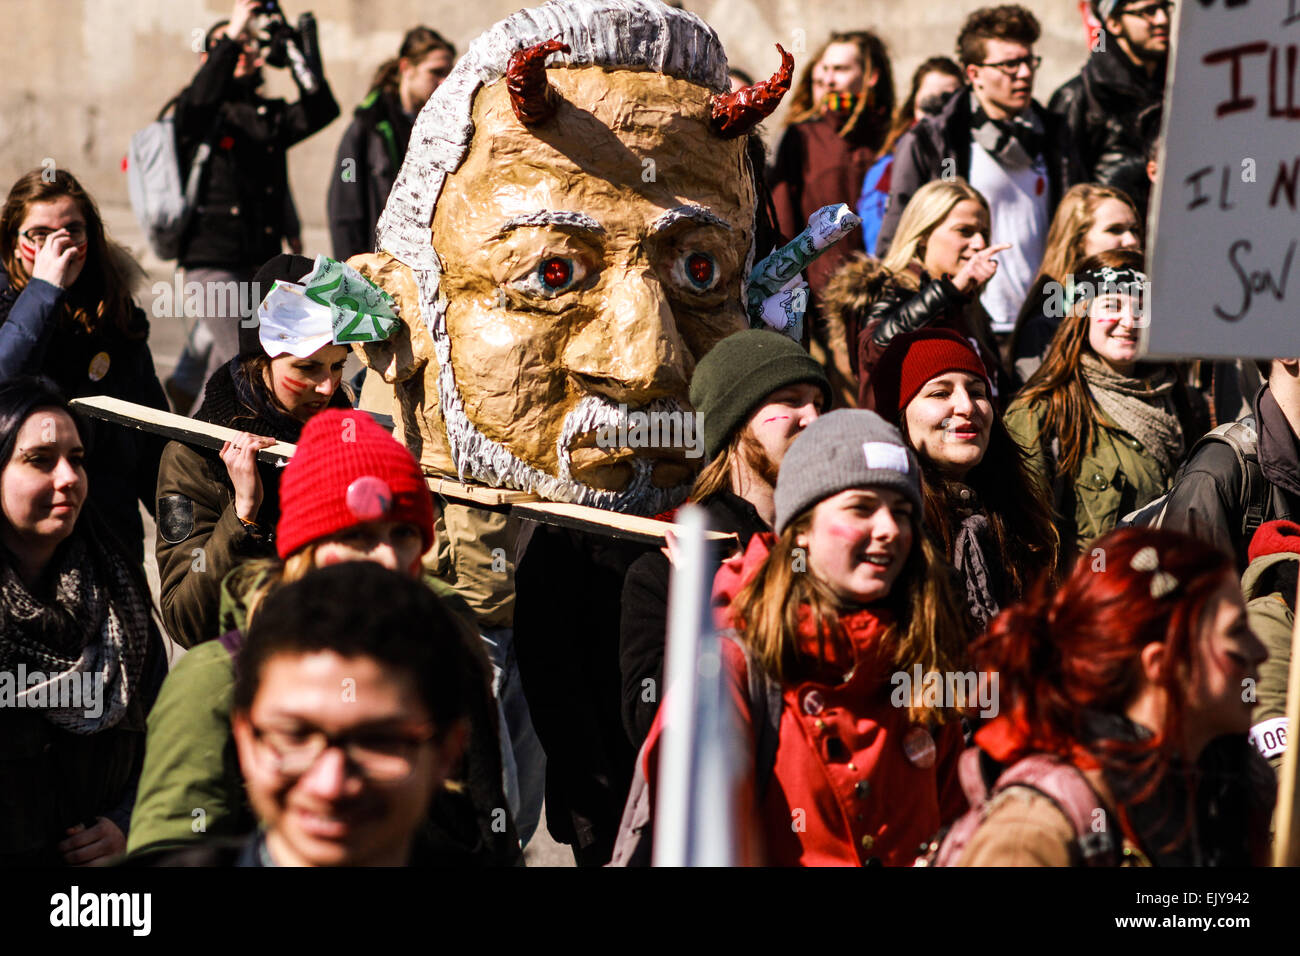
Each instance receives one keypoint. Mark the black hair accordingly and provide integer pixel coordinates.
(21, 396)
(361, 609)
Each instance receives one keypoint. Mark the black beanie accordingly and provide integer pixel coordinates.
(739, 372)
(281, 268)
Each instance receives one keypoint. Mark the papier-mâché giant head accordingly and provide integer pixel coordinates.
(575, 236)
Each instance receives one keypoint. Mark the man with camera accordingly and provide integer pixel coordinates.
(244, 211)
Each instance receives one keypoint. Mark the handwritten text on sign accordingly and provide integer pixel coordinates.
(1225, 278)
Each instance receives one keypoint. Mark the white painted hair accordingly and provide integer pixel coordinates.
(620, 34)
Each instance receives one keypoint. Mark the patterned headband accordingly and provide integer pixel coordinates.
(1086, 286)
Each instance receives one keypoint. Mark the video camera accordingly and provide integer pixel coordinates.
(275, 36)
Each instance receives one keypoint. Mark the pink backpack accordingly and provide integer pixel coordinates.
(1059, 781)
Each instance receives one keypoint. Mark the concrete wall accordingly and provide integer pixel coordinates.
(82, 75)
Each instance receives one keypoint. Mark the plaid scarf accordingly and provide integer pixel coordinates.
(96, 624)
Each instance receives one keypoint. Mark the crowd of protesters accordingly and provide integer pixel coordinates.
(937, 480)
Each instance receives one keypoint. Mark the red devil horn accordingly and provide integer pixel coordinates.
(735, 114)
(532, 97)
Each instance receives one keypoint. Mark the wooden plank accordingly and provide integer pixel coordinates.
(175, 427)
(524, 504)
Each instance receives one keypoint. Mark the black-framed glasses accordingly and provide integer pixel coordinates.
(1012, 67)
(1149, 11)
(38, 235)
(382, 757)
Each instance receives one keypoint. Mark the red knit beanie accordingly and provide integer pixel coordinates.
(913, 359)
(1275, 537)
(346, 471)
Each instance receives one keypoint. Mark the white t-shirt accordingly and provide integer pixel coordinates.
(1018, 202)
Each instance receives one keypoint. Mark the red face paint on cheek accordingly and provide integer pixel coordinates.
(27, 250)
(776, 418)
(843, 531)
(295, 386)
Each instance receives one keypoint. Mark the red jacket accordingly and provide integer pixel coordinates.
(843, 792)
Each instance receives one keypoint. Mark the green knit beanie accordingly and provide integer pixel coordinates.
(739, 372)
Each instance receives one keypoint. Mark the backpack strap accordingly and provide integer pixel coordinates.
(765, 705)
(1066, 786)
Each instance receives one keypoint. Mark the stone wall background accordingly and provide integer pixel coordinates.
(82, 75)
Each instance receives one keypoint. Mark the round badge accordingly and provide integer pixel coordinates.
(369, 498)
(98, 366)
(919, 747)
(813, 704)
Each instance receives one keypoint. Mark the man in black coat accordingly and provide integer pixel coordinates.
(244, 211)
(996, 137)
(1124, 76)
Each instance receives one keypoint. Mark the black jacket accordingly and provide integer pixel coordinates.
(375, 143)
(1100, 108)
(568, 588)
(920, 154)
(36, 338)
(937, 304)
(645, 615)
(243, 199)
(1206, 500)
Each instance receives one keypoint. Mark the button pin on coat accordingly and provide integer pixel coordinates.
(813, 703)
(919, 748)
(369, 498)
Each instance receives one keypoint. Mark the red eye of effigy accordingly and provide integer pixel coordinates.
(700, 268)
(556, 273)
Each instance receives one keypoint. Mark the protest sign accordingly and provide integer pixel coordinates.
(1225, 280)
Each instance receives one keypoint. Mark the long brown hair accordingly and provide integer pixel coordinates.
(929, 628)
(1019, 517)
(1059, 382)
(101, 297)
(418, 43)
(876, 106)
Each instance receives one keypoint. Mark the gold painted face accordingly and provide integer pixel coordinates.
(591, 260)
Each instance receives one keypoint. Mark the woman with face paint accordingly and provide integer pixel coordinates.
(1104, 433)
(216, 509)
(1091, 219)
(931, 278)
(351, 492)
(81, 656)
(848, 597)
(1122, 696)
(67, 313)
(982, 503)
(755, 392)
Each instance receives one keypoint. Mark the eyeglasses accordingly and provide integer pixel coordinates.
(385, 758)
(1150, 10)
(1012, 67)
(37, 235)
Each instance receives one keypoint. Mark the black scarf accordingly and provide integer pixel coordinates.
(1016, 142)
(231, 400)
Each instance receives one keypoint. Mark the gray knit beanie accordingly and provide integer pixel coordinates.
(849, 448)
(732, 380)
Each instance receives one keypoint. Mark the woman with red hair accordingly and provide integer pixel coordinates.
(1125, 702)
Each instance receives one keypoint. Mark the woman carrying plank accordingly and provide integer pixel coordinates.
(217, 509)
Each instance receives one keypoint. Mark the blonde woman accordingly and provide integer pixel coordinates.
(1091, 219)
(939, 260)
